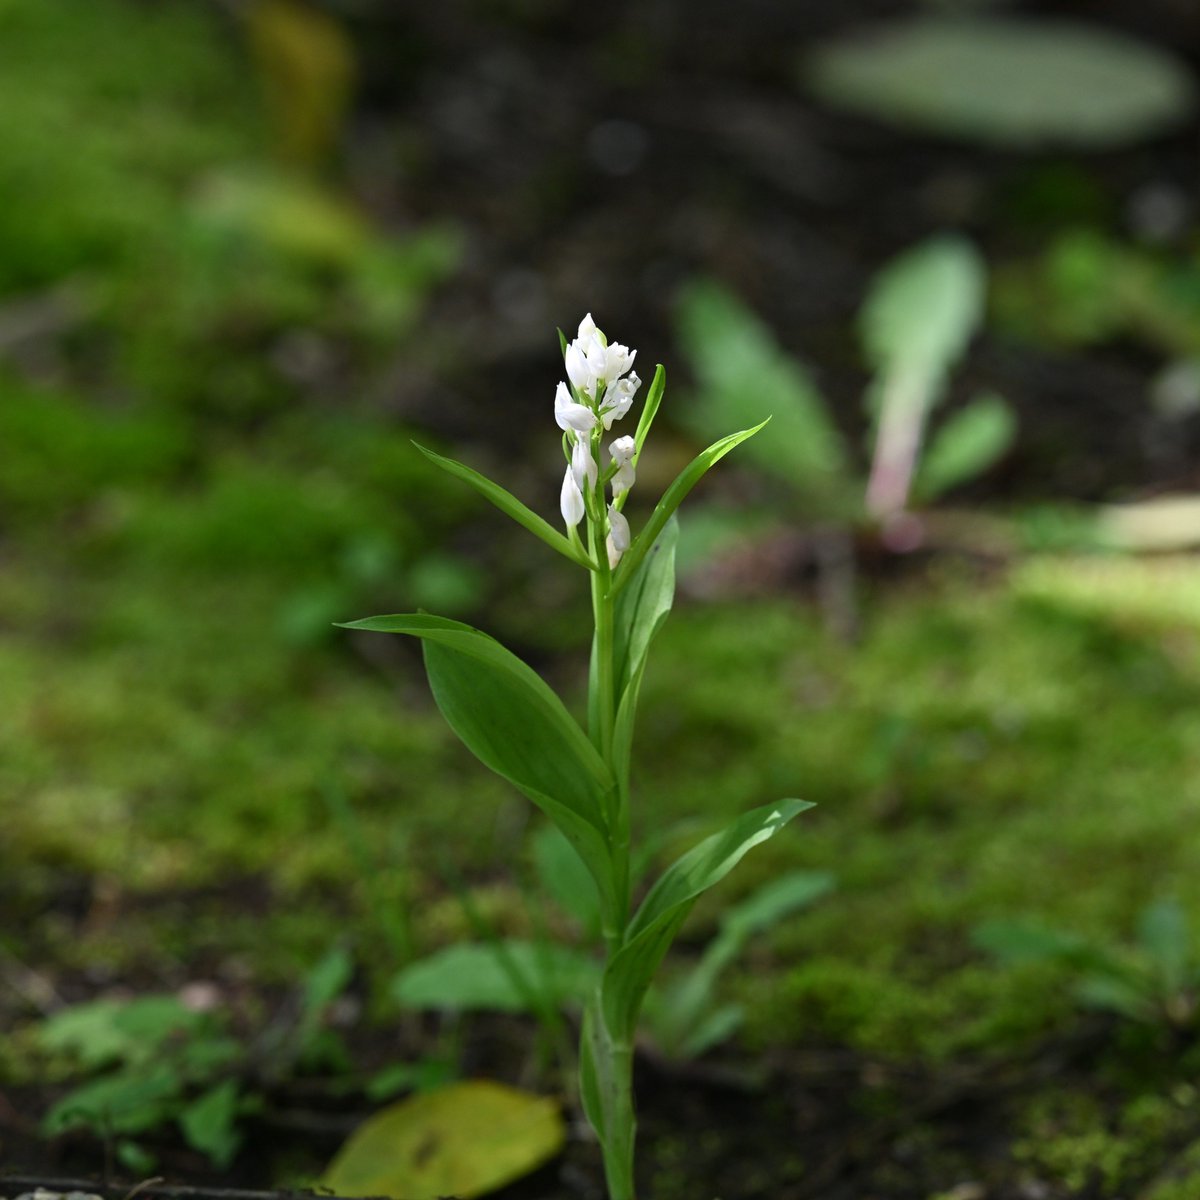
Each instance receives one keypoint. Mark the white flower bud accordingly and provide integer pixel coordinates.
(583, 465)
(570, 500)
(622, 450)
(572, 416)
(578, 371)
(618, 536)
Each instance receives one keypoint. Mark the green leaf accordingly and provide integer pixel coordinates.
(105, 1031)
(122, 1102)
(711, 1030)
(923, 308)
(641, 610)
(1018, 942)
(689, 1005)
(209, 1123)
(673, 498)
(508, 503)
(1163, 933)
(1009, 80)
(969, 442)
(1119, 995)
(565, 877)
(464, 1140)
(773, 901)
(471, 976)
(650, 409)
(643, 606)
(511, 720)
(742, 375)
(664, 910)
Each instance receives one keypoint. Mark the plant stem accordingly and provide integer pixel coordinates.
(617, 1067)
(618, 1152)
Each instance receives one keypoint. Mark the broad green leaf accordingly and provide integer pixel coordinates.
(665, 908)
(966, 445)
(209, 1123)
(508, 503)
(565, 877)
(742, 375)
(673, 497)
(1018, 81)
(512, 721)
(473, 976)
(463, 1140)
(105, 1031)
(923, 308)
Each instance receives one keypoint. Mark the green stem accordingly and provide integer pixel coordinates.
(618, 1151)
(617, 1065)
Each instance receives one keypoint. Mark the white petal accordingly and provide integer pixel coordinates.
(570, 500)
(617, 541)
(570, 415)
(583, 465)
(618, 360)
(622, 451)
(577, 369)
(618, 398)
(587, 329)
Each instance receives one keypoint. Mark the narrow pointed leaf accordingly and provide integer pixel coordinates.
(673, 497)
(508, 503)
(512, 721)
(664, 910)
(650, 409)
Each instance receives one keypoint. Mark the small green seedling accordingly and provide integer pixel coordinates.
(1155, 981)
(154, 1061)
(915, 325)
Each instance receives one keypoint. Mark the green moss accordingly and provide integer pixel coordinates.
(1070, 1139)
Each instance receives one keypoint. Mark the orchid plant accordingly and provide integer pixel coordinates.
(516, 725)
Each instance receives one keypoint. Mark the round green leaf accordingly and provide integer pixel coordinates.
(463, 1140)
(1007, 80)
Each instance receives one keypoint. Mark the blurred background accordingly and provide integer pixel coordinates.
(251, 249)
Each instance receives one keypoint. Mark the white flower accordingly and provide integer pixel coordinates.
(618, 396)
(572, 416)
(578, 371)
(583, 465)
(570, 499)
(587, 331)
(593, 365)
(618, 536)
(622, 451)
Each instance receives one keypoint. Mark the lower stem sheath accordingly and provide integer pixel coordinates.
(618, 1152)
